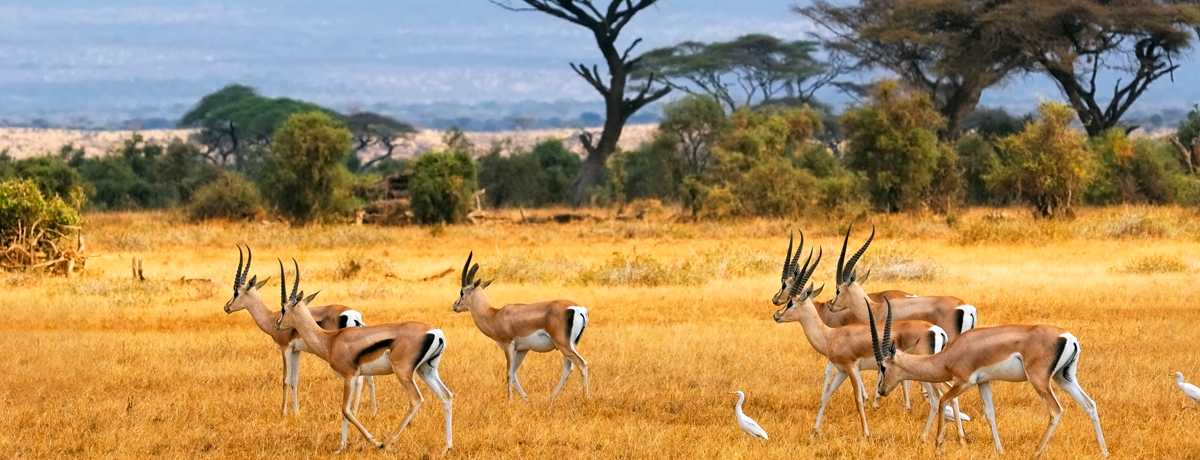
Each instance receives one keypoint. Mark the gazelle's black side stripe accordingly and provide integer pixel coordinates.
(385, 343)
(425, 346)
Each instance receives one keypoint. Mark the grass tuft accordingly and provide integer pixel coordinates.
(1155, 263)
(891, 263)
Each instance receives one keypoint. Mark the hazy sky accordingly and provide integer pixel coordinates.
(92, 55)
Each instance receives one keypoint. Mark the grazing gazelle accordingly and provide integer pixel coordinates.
(521, 328)
(951, 313)
(849, 347)
(831, 319)
(405, 349)
(1014, 353)
(246, 297)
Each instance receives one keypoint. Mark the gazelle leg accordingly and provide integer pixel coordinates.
(989, 411)
(517, 357)
(296, 381)
(948, 396)
(858, 399)
(957, 414)
(907, 402)
(1043, 389)
(358, 387)
(287, 376)
(566, 372)
(838, 378)
(829, 369)
(371, 385)
(930, 395)
(576, 360)
(1071, 386)
(414, 400)
(347, 392)
(429, 375)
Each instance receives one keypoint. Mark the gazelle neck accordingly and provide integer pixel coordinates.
(857, 300)
(316, 340)
(815, 330)
(482, 312)
(264, 318)
(926, 368)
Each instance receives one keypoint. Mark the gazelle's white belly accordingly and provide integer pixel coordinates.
(538, 341)
(1012, 369)
(379, 366)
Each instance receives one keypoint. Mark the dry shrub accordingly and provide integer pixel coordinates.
(357, 265)
(1135, 224)
(730, 261)
(639, 270)
(647, 209)
(1008, 229)
(1154, 263)
(892, 263)
(536, 269)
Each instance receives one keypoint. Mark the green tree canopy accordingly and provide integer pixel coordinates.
(1047, 164)
(304, 175)
(370, 128)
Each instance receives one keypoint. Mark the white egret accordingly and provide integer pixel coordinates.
(1188, 389)
(748, 425)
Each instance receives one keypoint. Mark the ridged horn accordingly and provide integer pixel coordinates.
(842, 257)
(875, 337)
(787, 260)
(237, 276)
(282, 286)
(887, 329)
(465, 266)
(798, 276)
(471, 274)
(295, 284)
(853, 260)
(813, 268)
(249, 258)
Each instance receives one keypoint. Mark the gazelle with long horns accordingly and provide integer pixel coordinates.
(849, 347)
(951, 313)
(330, 317)
(520, 328)
(831, 319)
(406, 349)
(1015, 353)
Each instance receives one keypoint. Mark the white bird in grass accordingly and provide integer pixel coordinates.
(748, 425)
(1188, 389)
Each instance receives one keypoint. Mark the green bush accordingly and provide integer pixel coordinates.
(53, 176)
(774, 188)
(442, 186)
(304, 175)
(977, 158)
(32, 225)
(1048, 164)
(228, 197)
(1127, 172)
(536, 178)
(113, 185)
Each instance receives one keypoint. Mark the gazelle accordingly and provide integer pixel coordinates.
(849, 347)
(521, 328)
(951, 313)
(831, 319)
(246, 297)
(1014, 353)
(405, 349)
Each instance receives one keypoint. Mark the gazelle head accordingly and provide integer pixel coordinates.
(885, 353)
(293, 302)
(472, 294)
(244, 292)
(847, 275)
(800, 292)
(789, 267)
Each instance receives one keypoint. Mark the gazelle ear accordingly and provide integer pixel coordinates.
(253, 282)
(260, 284)
(311, 297)
(865, 276)
(853, 276)
(816, 292)
(485, 284)
(913, 347)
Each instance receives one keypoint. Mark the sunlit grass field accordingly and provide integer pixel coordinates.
(102, 366)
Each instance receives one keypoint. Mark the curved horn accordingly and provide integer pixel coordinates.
(850, 263)
(249, 258)
(875, 337)
(795, 263)
(813, 268)
(465, 266)
(471, 274)
(283, 298)
(842, 258)
(887, 329)
(237, 276)
(296, 284)
(798, 276)
(787, 260)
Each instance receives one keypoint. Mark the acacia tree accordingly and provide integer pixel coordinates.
(370, 128)
(951, 50)
(1047, 164)
(621, 101)
(750, 70)
(1073, 41)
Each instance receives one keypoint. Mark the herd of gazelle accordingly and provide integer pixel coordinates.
(355, 351)
(929, 339)
(932, 340)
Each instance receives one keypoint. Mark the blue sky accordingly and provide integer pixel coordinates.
(160, 56)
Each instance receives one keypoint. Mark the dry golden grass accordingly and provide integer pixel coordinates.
(105, 367)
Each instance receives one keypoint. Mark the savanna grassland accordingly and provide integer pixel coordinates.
(102, 366)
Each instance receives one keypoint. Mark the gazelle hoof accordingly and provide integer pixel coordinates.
(812, 436)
